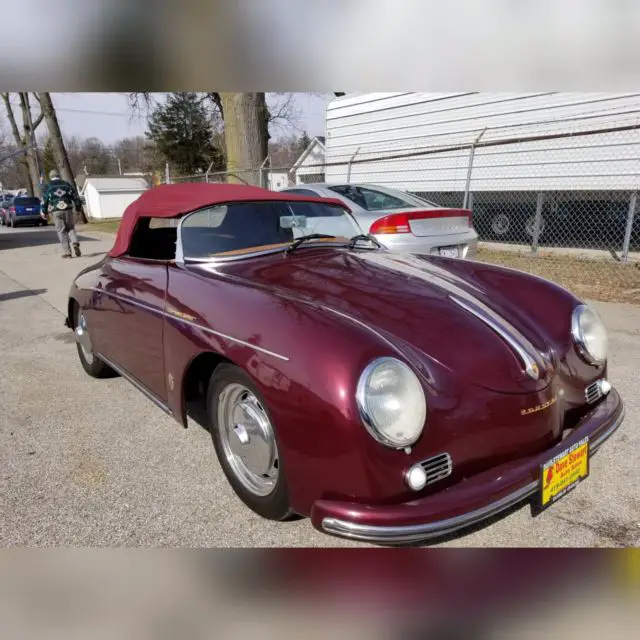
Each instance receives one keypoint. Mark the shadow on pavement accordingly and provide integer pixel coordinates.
(23, 238)
(24, 293)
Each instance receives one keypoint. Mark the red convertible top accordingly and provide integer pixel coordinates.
(174, 200)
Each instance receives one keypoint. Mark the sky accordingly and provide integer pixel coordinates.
(107, 115)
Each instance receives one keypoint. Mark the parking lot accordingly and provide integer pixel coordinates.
(87, 462)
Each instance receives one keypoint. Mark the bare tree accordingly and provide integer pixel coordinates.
(55, 135)
(245, 134)
(246, 121)
(29, 126)
(20, 144)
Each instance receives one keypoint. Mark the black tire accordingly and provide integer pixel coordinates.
(501, 225)
(274, 506)
(95, 367)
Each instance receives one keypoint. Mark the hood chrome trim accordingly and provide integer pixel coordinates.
(441, 278)
(530, 365)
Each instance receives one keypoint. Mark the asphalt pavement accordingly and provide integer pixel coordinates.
(87, 462)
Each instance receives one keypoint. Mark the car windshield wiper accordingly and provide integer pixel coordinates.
(313, 236)
(365, 237)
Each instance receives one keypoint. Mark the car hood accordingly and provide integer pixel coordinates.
(461, 324)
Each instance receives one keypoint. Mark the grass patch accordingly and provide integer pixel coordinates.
(106, 226)
(606, 280)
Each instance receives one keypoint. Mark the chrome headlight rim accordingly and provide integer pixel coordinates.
(365, 415)
(578, 336)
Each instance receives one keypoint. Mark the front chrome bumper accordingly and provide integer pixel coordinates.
(420, 532)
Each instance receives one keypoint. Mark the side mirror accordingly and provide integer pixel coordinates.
(293, 222)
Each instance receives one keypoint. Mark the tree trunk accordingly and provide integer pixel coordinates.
(59, 150)
(26, 176)
(29, 141)
(246, 135)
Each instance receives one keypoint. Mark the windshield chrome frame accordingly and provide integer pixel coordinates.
(182, 259)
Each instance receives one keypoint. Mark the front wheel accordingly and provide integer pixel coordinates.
(245, 442)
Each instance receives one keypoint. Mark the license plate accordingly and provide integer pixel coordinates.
(561, 474)
(449, 252)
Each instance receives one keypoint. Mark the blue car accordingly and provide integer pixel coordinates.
(24, 210)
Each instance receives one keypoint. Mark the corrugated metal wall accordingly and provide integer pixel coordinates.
(382, 124)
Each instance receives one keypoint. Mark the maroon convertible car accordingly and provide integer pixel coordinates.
(392, 398)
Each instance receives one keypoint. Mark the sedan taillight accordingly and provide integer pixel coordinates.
(401, 222)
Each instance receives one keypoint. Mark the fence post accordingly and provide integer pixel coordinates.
(206, 175)
(167, 176)
(469, 204)
(264, 173)
(627, 233)
(349, 165)
(472, 153)
(537, 222)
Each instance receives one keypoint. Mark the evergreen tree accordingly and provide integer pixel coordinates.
(48, 158)
(303, 142)
(181, 131)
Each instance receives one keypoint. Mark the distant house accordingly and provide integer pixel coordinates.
(278, 179)
(309, 167)
(109, 196)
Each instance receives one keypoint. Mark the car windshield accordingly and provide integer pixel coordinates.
(243, 227)
(26, 201)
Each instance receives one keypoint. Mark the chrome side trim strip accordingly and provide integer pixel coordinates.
(419, 532)
(226, 337)
(422, 532)
(142, 305)
(128, 300)
(138, 385)
(530, 365)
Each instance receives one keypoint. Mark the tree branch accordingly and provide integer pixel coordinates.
(12, 120)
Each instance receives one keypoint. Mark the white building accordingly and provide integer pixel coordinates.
(108, 197)
(403, 135)
(309, 167)
(278, 179)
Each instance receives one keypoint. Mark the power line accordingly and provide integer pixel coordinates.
(99, 113)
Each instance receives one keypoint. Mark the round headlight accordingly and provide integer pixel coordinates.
(590, 335)
(391, 402)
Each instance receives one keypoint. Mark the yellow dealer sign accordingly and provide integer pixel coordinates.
(564, 472)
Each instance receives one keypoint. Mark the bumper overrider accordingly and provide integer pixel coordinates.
(467, 503)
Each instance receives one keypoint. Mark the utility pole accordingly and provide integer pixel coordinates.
(119, 166)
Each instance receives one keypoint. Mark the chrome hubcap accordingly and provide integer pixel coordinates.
(247, 439)
(500, 224)
(82, 338)
(530, 227)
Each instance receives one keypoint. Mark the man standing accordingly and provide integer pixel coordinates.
(60, 200)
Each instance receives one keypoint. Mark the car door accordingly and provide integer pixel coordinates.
(131, 298)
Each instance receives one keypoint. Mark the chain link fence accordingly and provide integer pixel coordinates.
(562, 205)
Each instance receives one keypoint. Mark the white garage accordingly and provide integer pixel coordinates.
(108, 197)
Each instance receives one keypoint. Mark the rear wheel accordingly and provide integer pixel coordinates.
(500, 225)
(245, 442)
(95, 367)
